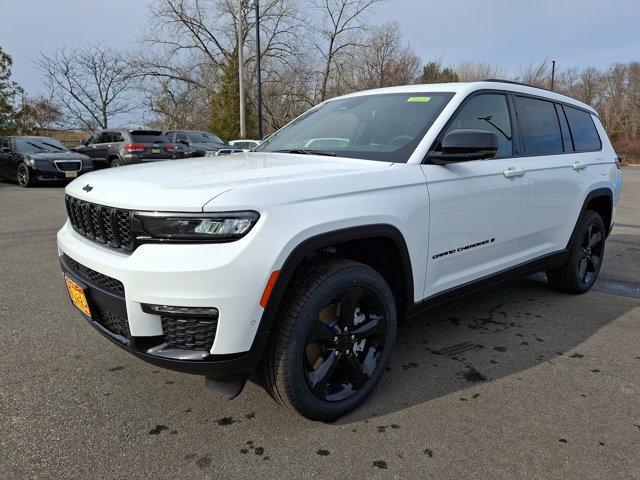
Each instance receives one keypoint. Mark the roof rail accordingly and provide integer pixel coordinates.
(513, 82)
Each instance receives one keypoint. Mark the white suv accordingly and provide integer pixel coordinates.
(298, 263)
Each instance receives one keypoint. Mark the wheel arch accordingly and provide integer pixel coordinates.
(599, 200)
(345, 243)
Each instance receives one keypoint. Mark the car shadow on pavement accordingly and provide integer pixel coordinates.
(483, 337)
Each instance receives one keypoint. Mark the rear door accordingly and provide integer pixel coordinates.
(477, 208)
(555, 194)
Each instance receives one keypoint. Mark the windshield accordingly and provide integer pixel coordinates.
(385, 127)
(202, 137)
(39, 145)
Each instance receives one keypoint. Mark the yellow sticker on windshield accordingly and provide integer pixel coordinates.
(418, 99)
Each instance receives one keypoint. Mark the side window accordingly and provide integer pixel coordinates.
(106, 137)
(567, 142)
(181, 137)
(540, 126)
(117, 137)
(95, 138)
(489, 112)
(585, 135)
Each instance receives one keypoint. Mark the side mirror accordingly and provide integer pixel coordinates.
(5, 150)
(465, 145)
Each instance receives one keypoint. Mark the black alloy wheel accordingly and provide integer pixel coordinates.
(23, 175)
(586, 251)
(591, 250)
(334, 339)
(345, 345)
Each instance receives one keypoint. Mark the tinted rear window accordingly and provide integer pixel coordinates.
(540, 127)
(583, 130)
(148, 137)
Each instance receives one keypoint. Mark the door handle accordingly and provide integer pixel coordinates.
(577, 166)
(512, 173)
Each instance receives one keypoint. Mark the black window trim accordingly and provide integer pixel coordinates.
(573, 142)
(518, 146)
(515, 135)
(524, 153)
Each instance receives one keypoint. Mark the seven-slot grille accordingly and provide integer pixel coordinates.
(106, 225)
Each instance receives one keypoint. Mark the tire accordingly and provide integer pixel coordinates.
(116, 162)
(343, 294)
(586, 251)
(23, 175)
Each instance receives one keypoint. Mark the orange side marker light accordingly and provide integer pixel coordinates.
(273, 278)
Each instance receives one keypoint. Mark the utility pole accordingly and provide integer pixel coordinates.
(243, 132)
(553, 74)
(258, 69)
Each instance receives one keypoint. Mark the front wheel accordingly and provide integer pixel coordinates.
(586, 251)
(23, 175)
(334, 341)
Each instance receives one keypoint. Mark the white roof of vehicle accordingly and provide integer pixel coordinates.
(466, 88)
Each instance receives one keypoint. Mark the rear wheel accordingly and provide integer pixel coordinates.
(23, 175)
(116, 162)
(334, 341)
(586, 251)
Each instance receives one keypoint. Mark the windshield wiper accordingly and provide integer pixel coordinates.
(304, 151)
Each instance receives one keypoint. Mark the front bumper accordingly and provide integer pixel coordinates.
(43, 172)
(152, 349)
(221, 276)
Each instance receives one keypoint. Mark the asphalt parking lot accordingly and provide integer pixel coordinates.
(516, 382)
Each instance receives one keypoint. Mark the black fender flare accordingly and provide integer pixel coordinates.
(598, 192)
(317, 242)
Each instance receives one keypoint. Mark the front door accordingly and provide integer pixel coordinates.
(477, 208)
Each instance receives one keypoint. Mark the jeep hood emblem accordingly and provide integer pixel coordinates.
(87, 188)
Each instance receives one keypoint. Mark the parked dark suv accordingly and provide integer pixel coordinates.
(118, 147)
(189, 143)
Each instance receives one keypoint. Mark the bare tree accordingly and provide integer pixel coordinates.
(192, 43)
(340, 29)
(384, 61)
(90, 85)
(474, 71)
(536, 74)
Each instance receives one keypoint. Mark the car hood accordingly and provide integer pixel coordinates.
(50, 156)
(187, 185)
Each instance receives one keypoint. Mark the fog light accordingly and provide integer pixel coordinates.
(180, 311)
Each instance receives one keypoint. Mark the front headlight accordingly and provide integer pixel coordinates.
(211, 227)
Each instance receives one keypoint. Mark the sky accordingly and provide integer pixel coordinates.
(509, 33)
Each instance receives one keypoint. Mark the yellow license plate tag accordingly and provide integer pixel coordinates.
(155, 150)
(71, 174)
(77, 295)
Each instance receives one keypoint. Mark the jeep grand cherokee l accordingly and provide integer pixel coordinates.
(298, 263)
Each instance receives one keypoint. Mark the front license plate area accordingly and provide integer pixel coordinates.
(71, 174)
(78, 296)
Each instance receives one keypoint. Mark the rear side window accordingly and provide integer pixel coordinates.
(583, 130)
(540, 127)
(117, 137)
(489, 112)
